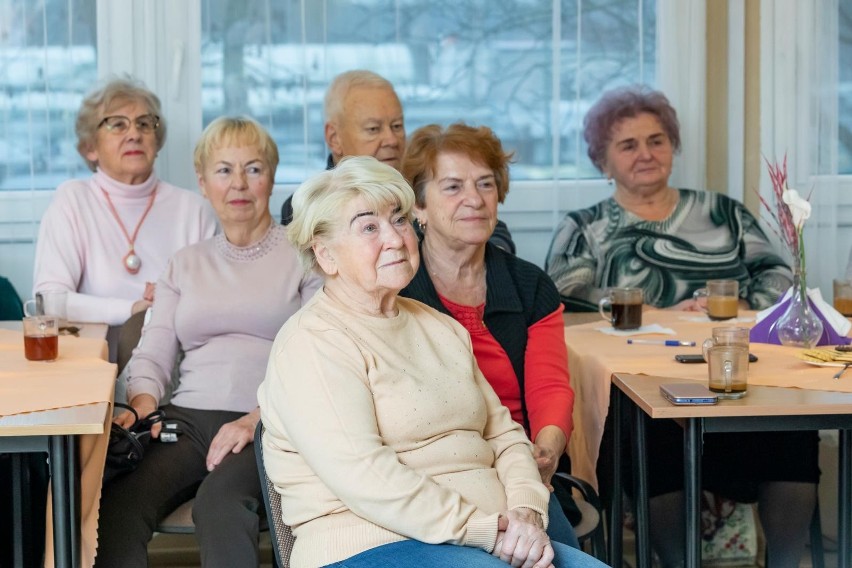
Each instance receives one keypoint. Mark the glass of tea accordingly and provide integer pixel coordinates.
(728, 370)
(41, 338)
(49, 303)
(720, 299)
(843, 297)
(625, 307)
(736, 336)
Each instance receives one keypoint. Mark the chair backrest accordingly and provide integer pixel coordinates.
(128, 338)
(590, 527)
(282, 536)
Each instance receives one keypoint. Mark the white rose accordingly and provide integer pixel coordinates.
(799, 208)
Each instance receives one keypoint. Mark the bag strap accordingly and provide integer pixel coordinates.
(128, 407)
(143, 424)
(131, 409)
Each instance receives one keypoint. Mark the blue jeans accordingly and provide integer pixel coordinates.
(416, 554)
(559, 529)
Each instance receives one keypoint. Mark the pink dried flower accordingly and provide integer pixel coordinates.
(781, 213)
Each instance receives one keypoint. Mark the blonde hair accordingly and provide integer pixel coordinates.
(235, 131)
(318, 202)
(117, 91)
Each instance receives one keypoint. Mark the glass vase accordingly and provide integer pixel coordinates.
(799, 326)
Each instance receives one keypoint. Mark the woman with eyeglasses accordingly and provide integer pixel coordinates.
(104, 239)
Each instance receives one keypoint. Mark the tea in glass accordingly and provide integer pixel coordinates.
(41, 339)
(722, 299)
(625, 306)
(728, 370)
(843, 297)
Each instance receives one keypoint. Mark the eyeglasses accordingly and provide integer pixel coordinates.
(145, 124)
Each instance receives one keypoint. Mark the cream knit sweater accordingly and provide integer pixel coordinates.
(381, 429)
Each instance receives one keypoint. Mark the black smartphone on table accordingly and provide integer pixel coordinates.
(699, 358)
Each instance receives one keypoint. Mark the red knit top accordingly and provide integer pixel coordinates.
(549, 397)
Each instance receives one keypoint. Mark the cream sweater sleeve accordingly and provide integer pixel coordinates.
(316, 391)
(516, 467)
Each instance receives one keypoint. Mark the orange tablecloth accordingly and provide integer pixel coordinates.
(594, 356)
(80, 376)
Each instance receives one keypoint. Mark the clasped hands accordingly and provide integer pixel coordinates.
(521, 540)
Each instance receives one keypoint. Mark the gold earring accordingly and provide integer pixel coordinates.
(422, 225)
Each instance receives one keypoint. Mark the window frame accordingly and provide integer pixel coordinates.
(160, 43)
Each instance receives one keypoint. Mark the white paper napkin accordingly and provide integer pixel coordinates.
(645, 329)
(834, 318)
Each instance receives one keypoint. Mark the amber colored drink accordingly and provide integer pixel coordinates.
(737, 390)
(41, 347)
(722, 307)
(844, 306)
(626, 316)
(734, 359)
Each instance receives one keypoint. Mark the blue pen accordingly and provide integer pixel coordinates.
(666, 342)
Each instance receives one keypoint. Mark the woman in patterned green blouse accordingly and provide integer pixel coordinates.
(648, 234)
(669, 242)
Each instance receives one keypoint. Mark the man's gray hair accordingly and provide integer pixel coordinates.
(343, 83)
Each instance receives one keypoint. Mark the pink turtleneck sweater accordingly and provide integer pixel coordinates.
(81, 246)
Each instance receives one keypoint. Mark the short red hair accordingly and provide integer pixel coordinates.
(480, 144)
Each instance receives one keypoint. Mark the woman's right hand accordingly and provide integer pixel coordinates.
(521, 540)
(143, 404)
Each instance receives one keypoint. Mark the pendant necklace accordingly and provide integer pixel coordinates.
(132, 263)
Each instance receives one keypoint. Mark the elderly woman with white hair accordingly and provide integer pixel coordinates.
(220, 302)
(106, 238)
(385, 441)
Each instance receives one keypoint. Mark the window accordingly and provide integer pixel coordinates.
(806, 98)
(529, 69)
(47, 62)
(844, 91)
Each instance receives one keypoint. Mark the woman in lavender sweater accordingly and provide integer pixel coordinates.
(220, 302)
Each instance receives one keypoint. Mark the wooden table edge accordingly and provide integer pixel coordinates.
(760, 401)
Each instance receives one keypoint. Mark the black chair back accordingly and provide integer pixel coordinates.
(282, 536)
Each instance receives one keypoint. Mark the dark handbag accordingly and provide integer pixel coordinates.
(127, 445)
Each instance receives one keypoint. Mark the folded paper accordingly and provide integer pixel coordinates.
(835, 325)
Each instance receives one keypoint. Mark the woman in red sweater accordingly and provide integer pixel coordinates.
(509, 306)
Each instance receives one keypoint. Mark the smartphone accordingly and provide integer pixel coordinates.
(688, 393)
(699, 358)
(689, 358)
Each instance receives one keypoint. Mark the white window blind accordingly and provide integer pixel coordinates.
(47, 62)
(527, 68)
